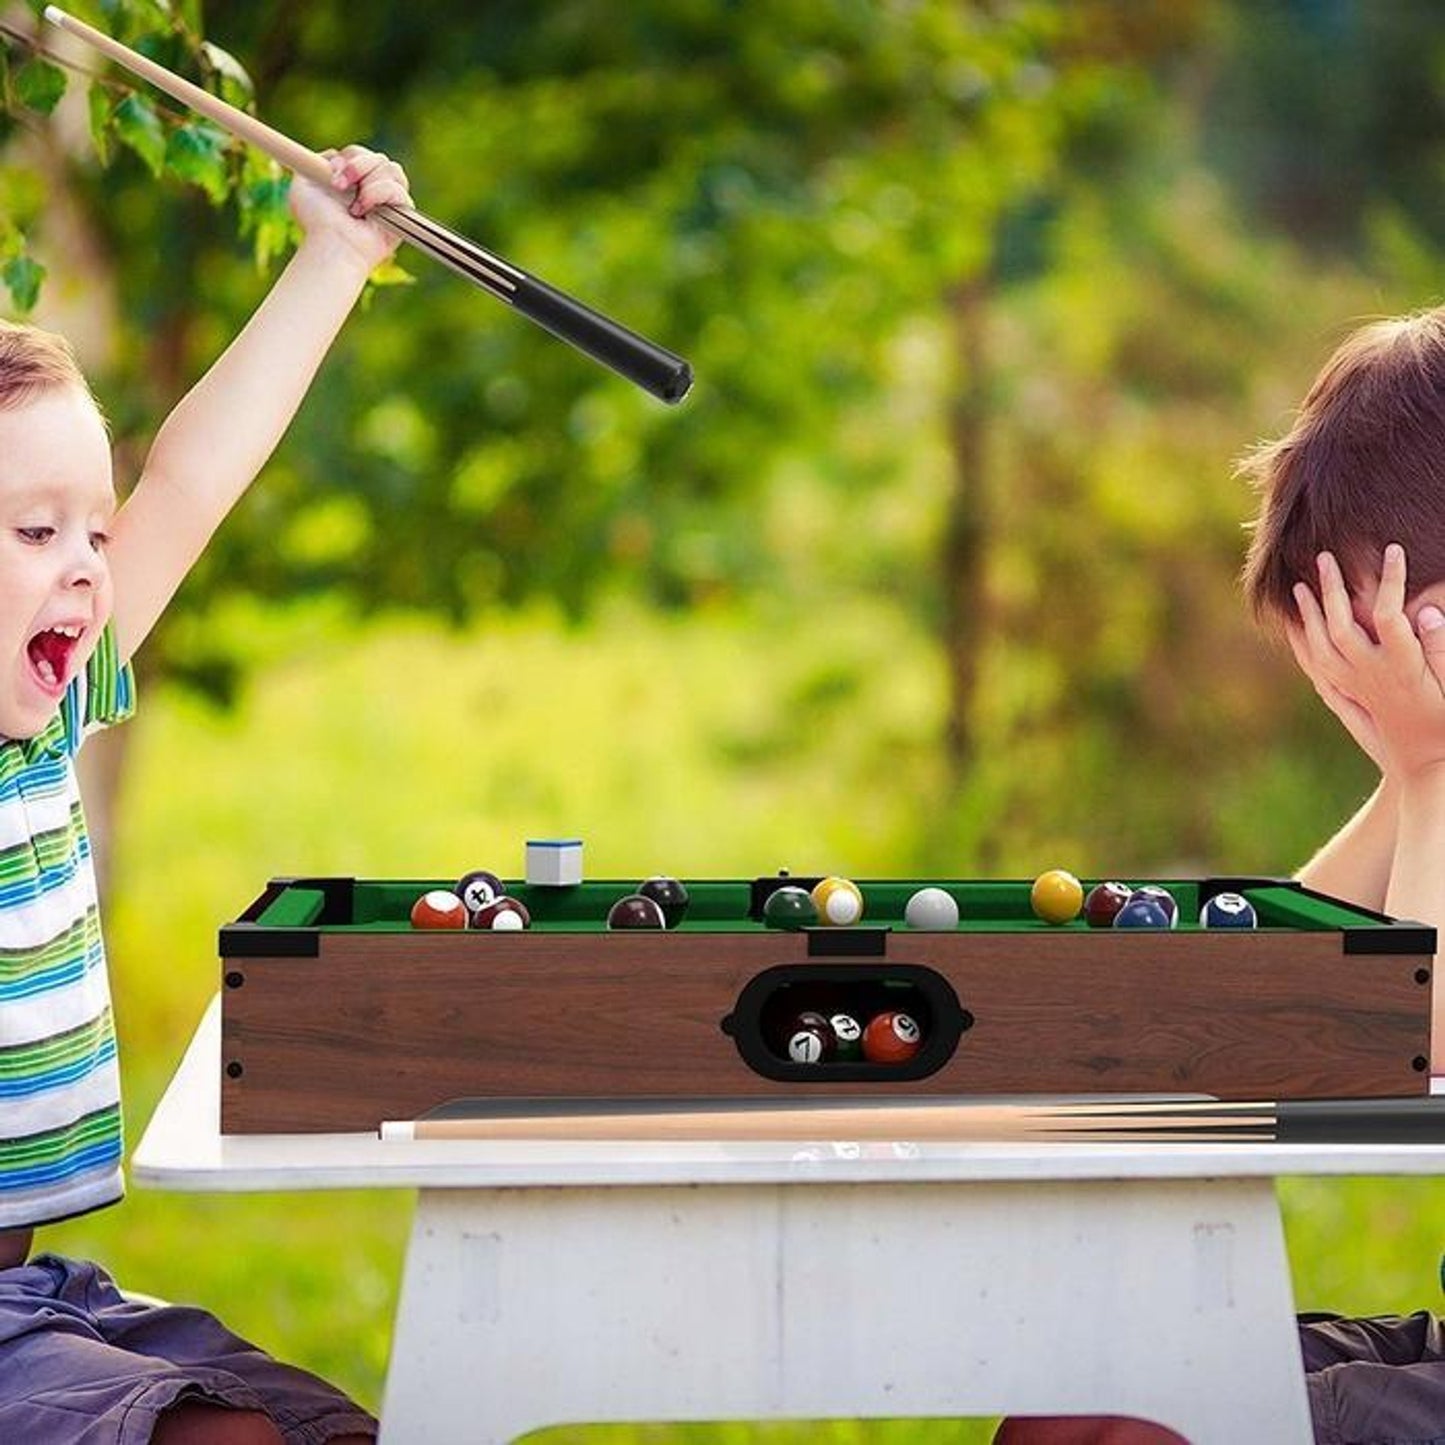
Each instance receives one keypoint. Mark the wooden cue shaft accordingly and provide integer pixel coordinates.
(1410, 1120)
(292, 154)
(650, 366)
(940, 1123)
(280, 147)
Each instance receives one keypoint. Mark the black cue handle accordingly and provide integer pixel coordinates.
(652, 367)
(1419, 1120)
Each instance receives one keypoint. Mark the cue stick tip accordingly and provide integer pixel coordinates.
(56, 16)
(393, 1129)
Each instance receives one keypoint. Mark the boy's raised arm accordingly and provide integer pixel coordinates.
(221, 434)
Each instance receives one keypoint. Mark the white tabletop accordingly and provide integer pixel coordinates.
(183, 1149)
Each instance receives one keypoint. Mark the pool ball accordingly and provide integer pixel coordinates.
(1057, 896)
(891, 1038)
(1228, 910)
(478, 888)
(847, 1035)
(1164, 898)
(635, 911)
(502, 915)
(1142, 911)
(1104, 900)
(932, 910)
(809, 1038)
(838, 901)
(668, 894)
(438, 908)
(790, 907)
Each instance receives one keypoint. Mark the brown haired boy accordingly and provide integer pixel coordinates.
(1357, 482)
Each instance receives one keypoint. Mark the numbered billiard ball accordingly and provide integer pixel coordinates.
(1141, 912)
(478, 888)
(790, 907)
(1164, 898)
(1104, 900)
(839, 901)
(502, 915)
(635, 911)
(931, 910)
(809, 1038)
(439, 908)
(891, 1038)
(847, 1035)
(1228, 910)
(669, 895)
(1057, 896)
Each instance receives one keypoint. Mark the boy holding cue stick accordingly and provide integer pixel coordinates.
(81, 585)
(1361, 473)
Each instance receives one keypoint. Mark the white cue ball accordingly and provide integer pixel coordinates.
(932, 910)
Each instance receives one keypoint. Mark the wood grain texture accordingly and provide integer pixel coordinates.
(389, 1026)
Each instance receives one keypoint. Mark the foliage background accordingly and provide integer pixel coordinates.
(933, 574)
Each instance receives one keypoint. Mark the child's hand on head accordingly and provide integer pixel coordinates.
(362, 180)
(1388, 690)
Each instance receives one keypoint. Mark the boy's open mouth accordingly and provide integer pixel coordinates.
(50, 650)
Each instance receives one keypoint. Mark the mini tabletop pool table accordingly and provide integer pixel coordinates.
(338, 1014)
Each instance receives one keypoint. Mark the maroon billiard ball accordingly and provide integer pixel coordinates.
(635, 911)
(502, 915)
(891, 1038)
(1103, 902)
(478, 888)
(669, 895)
(809, 1038)
(438, 908)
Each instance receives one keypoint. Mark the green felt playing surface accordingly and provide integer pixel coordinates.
(722, 905)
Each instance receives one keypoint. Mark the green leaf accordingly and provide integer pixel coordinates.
(197, 153)
(391, 274)
(22, 276)
(266, 216)
(236, 85)
(98, 106)
(39, 85)
(138, 126)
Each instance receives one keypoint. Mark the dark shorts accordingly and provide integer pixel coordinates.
(1378, 1381)
(80, 1364)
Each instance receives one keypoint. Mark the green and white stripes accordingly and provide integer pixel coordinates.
(60, 1119)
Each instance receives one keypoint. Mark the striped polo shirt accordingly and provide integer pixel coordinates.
(60, 1120)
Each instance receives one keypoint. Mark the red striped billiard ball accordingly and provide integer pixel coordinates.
(439, 908)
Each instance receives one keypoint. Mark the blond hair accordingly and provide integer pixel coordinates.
(33, 361)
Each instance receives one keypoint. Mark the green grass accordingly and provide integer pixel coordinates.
(703, 749)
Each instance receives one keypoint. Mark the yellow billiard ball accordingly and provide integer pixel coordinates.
(838, 901)
(1057, 896)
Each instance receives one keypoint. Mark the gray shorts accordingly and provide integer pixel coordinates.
(1375, 1381)
(80, 1364)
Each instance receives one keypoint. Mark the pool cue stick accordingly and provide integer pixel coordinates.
(643, 362)
(1418, 1120)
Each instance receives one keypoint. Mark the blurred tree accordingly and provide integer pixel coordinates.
(774, 195)
(920, 254)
